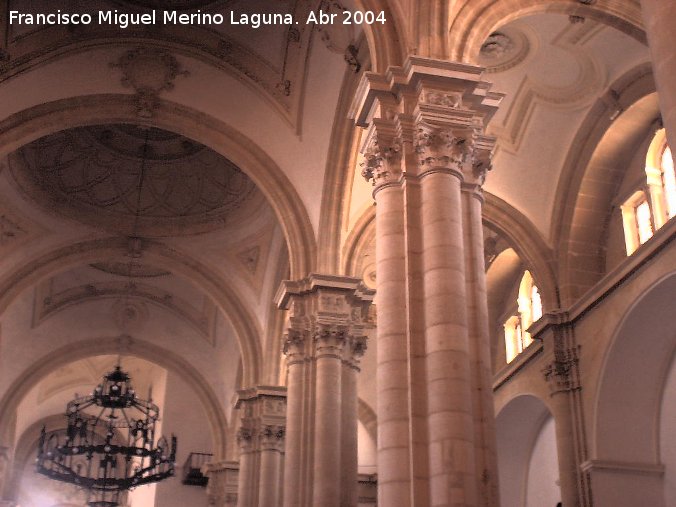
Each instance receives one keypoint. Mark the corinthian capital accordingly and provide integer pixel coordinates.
(381, 162)
(443, 147)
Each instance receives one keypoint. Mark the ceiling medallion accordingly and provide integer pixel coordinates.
(504, 49)
(91, 174)
(110, 445)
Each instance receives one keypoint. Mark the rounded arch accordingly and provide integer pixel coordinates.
(28, 125)
(528, 244)
(243, 321)
(361, 235)
(627, 411)
(112, 345)
(477, 19)
(601, 145)
(519, 424)
(386, 41)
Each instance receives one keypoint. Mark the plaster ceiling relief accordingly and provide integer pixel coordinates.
(505, 49)
(250, 256)
(272, 61)
(93, 175)
(128, 304)
(130, 270)
(555, 70)
(15, 229)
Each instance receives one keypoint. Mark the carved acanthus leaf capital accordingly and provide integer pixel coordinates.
(443, 147)
(381, 162)
(294, 341)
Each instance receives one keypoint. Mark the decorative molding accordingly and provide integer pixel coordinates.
(128, 310)
(222, 485)
(588, 84)
(263, 422)
(435, 110)
(331, 310)
(15, 229)
(623, 467)
(90, 174)
(149, 71)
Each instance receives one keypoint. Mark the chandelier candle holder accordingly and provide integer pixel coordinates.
(109, 445)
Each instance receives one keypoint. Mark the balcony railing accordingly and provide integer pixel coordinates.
(192, 469)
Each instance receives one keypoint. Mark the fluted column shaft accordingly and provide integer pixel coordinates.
(658, 16)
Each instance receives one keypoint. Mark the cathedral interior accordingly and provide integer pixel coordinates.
(421, 262)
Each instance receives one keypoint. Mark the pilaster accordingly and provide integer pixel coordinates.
(562, 373)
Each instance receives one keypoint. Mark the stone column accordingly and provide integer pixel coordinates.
(271, 466)
(425, 144)
(246, 480)
(261, 441)
(479, 340)
(352, 352)
(658, 16)
(562, 374)
(327, 317)
(222, 486)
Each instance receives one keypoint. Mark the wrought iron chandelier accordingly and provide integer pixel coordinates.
(110, 444)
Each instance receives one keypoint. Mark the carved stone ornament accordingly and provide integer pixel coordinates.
(379, 160)
(149, 71)
(562, 374)
(452, 100)
(442, 147)
(496, 45)
(92, 175)
(481, 164)
(130, 315)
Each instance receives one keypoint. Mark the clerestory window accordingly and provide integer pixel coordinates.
(529, 310)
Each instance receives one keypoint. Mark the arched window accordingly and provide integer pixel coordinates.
(651, 207)
(668, 181)
(529, 310)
